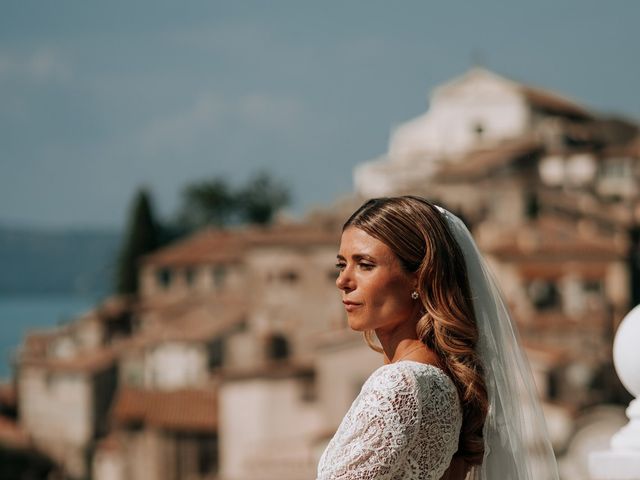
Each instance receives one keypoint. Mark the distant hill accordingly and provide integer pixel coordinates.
(39, 261)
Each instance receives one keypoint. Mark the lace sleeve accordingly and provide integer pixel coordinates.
(383, 435)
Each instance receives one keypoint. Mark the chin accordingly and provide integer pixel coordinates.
(355, 325)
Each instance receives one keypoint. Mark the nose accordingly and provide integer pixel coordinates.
(345, 281)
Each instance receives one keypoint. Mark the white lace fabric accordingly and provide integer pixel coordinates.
(404, 424)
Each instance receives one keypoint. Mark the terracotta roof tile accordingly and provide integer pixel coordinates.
(553, 269)
(12, 435)
(483, 161)
(581, 205)
(110, 443)
(550, 238)
(187, 320)
(182, 410)
(558, 321)
(553, 103)
(8, 396)
(90, 361)
(115, 307)
(545, 353)
(37, 343)
(211, 246)
(206, 246)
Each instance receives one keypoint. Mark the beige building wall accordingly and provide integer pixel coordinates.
(145, 456)
(89, 332)
(185, 280)
(293, 292)
(341, 370)
(56, 410)
(478, 109)
(173, 365)
(108, 465)
(260, 412)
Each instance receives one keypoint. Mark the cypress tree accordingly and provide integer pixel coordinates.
(141, 237)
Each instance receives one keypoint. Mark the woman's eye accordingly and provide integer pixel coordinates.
(340, 266)
(366, 266)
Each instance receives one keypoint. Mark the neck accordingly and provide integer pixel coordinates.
(399, 342)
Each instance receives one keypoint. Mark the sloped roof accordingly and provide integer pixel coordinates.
(8, 395)
(586, 205)
(36, 343)
(192, 410)
(553, 103)
(208, 246)
(110, 443)
(87, 361)
(482, 162)
(195, 325)
(552, 269)
(538, 98)
(211, 246)
(551, 238)
(12, 435)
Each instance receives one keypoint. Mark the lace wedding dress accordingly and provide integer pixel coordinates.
(404, 424)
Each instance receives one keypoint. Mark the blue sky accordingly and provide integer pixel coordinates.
(98, 98)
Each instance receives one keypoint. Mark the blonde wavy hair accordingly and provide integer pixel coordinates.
(417, 233)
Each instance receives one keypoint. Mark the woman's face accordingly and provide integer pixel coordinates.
(376, 290)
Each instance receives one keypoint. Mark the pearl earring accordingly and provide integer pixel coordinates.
(415, 295)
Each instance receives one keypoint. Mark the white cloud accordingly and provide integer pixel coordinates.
(42, 64)
(46, 64)
(181, 131)
(235, 38)
(268, 111)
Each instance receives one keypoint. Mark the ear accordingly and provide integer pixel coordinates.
(415, 285)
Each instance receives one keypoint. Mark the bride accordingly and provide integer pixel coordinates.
(455, 398)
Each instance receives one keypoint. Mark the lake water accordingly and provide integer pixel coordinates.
(20, 314)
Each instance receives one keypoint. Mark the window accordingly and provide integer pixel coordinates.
(592, 286)
(216, 353)
(308, 391)
(544, 294)
(278, 347)
(163, 277)
(615, 168)
(134, 376)
(219, 273)
(207, 454)
(189, 276)
(289, 276)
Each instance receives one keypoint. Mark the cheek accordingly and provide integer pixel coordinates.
(391, 296)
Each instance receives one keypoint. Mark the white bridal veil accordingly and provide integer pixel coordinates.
(517, 445)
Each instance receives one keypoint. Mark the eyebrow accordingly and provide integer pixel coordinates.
(357, 256)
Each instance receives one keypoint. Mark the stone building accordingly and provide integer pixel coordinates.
(160, 434)
(64, 402)
(236, 361)
(549, 189)
(139, 378)
(281, 278)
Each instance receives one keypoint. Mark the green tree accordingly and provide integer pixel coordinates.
(214, 202)
(142, 236)
(261, 198)
(209, 202)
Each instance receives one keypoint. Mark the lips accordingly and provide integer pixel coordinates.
(350, 306)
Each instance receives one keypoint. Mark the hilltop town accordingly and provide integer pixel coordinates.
(236, 362)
